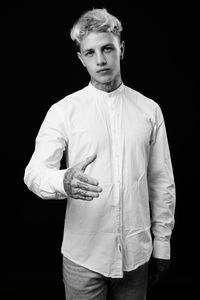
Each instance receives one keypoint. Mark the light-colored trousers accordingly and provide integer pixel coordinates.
(83, 284)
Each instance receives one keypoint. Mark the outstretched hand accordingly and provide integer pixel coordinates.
(157, 267)
(78, 185)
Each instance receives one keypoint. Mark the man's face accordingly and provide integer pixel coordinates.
(100, 53)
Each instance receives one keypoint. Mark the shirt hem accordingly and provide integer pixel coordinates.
(109, 275)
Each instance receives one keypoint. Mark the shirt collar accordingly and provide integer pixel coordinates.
(104, 94)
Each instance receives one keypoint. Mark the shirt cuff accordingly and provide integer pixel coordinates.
(56, 184)
(161, 249)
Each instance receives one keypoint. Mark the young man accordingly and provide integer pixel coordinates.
(118, 178)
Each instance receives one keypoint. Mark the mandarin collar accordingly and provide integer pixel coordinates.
(104, 94)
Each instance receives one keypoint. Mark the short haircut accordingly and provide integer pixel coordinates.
(95, 20)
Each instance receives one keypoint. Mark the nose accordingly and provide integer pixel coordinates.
(100, 59)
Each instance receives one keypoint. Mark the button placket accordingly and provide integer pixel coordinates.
(113, 109)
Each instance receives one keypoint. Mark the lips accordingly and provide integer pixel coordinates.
(103, 70)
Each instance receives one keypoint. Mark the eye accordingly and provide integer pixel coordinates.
(108, 49)
(89, 53)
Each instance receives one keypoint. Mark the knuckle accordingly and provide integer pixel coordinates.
(78, 176)
(82, 185)
(75, 192)
(73, 184)
(92, 194)
(78, 191)
(81, 192)
(82, 177)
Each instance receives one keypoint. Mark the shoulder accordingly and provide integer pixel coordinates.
(70, 103)
(72, 98)
(143, 102)
(141, 99)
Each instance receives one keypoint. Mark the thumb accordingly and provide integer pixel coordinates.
(88, 161)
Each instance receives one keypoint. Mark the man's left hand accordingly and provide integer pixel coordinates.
(157, 267)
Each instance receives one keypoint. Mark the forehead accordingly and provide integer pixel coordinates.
(98, 39)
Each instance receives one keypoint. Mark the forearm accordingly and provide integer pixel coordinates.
(162, 219)
(161, 190)
(43, 175)
(44, 182)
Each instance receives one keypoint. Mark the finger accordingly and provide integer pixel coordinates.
(81, 192)
(80, 197)
(87, 187)
(87, 179)
(88, 161)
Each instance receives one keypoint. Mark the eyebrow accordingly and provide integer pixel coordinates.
(106, 45)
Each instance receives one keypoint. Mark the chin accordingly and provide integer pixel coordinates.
(104, 80)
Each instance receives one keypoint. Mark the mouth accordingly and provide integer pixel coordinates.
(105, 70)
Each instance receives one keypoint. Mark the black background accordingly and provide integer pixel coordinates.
(40, 67)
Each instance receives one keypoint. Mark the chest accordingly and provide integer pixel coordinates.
(101, 126)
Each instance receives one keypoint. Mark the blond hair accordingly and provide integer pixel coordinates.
(95, 20)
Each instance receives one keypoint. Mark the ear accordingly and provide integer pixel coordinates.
(81, 59)
(122, 48)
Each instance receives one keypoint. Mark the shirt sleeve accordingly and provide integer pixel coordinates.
(43, 175)
(161, 189)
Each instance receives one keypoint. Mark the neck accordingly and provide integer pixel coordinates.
(107, 86)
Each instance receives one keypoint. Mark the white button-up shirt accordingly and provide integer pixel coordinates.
(112, 233)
